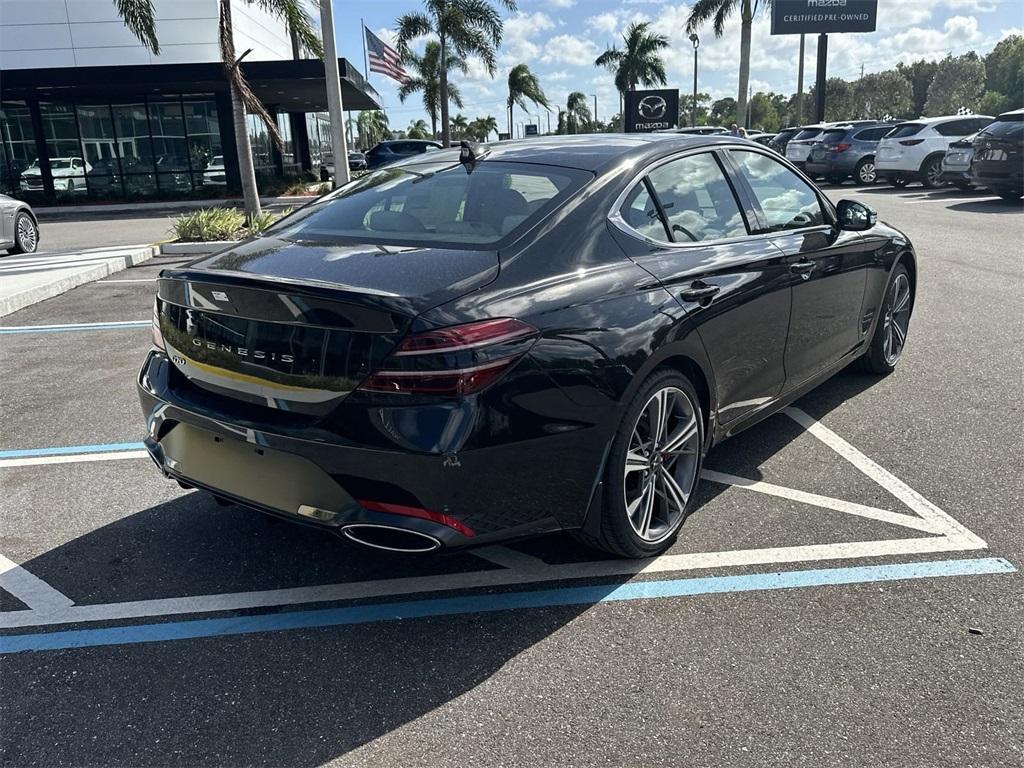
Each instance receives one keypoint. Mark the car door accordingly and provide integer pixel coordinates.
(827, 266)
(691, 233)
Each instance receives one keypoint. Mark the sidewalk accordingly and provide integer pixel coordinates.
(60, 211)
(32, 277)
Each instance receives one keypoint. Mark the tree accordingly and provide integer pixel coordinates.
(762, 113)
(838, 99)
(463, 27)
(1004, 70)
(373, 127)
(686, 108)
(958, 84)
(723, 112)
(882, 93)
(426, 78)
(993, 102)
(459, 126)
(523, 86)
(418, 129)
(920, 75)
(482, 128)
(638, 61)
(720, 10)
(577, 113)
(138, 18)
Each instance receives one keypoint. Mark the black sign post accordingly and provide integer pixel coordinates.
(798, 17)
(651, 110)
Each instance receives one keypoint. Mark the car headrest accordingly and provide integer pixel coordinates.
(395, 221)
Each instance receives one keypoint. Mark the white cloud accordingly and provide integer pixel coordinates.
(604, 22)
(562, 3)
(520, 43)
(567, 49)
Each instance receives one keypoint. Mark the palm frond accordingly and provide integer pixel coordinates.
(137, 16)
(705, 10)
(294, 15)
(410, 26)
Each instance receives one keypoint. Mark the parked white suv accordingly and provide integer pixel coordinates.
(68, 175)
(913, 151)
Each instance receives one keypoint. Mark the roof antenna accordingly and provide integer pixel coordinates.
(472, 153)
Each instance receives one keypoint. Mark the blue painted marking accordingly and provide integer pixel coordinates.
(451, 606)
(82, 327)
(65, 450)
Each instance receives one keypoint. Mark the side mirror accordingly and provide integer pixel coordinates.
(855, 216)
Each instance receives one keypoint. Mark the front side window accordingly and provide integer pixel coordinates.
(640, 213)
(697, 200)
(435, 204)
(787, 201)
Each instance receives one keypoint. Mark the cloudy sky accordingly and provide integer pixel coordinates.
(559, 40)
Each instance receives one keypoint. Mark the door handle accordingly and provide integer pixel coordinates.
(699, 291)
(802, 268)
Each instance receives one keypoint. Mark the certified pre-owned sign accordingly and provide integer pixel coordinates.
(651, 110)
(795, 17)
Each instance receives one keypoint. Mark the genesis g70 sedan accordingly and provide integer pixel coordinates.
(489, 343)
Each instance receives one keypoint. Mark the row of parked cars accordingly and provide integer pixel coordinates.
(964, 150)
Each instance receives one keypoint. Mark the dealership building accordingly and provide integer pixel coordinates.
(89, 113)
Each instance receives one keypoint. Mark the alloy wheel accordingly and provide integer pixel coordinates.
(661, 464)
(866, 174)
(897, 319)
(27, 238)
(934, 173)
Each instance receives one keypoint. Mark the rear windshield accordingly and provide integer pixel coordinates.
(905, 129)
(435, 204)
(1006, 127)
(807, 133)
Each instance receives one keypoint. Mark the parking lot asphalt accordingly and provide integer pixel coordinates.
(845, 594)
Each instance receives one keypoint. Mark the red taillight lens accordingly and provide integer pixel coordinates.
(842, 147)
(158, 337)
(458, 360)
(911, 142)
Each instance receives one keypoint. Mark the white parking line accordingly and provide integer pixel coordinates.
(137, 280)
(73, 458)
(31, 590)
(519, 568)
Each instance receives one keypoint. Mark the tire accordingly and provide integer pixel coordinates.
(26, 234)
(1013, 195)
(892, 325)
(963, 186)
(898, 181)
(864, 173)
(931, 172)
(649, 493)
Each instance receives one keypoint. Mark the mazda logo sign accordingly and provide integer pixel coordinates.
(652, 107)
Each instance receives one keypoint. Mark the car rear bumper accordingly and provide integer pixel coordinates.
(955, 176)
(996, 175)
(504, 490)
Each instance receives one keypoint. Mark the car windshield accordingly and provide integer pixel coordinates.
(58, 164)
(905, 129)
(435, 204)
(807, 133)
(1006, 126)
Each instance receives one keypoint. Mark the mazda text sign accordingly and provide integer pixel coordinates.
(651, 110)
(796, 17)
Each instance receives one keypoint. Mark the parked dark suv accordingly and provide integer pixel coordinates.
(389, 151)
(847, 151)
(998, 162)
(782, 138)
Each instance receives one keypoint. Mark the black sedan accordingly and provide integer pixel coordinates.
(544, 335)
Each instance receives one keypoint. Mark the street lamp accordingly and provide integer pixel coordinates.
(595, 113)
(693, 107)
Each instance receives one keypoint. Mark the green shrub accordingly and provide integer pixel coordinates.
(209, 224)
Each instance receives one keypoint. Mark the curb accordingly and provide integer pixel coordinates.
(44, 211)
(37, 293)
(195, 249)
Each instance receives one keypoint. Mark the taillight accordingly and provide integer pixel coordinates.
(911, 142)
(457, 360)
(158, 337)
(842, 147)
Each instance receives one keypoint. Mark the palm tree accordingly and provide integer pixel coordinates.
(426, 69)
(523, 86)
(417, 130)
(638, 62)
(463, 27)
(720, 10)
(577, 112)
(481, 128)
(459, 126)
(373, 127)
(138, 18)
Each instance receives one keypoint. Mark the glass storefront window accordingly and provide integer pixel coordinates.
(202, 128)
(131, 126)
(173, 167)
(19, 150)
(96, 127)
(67, 163)
(262, 157)
(289, 162)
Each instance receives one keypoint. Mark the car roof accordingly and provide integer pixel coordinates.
(944, 118)
(590, 152)
(1010, 113)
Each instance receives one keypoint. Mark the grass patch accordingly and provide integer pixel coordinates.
(210, 224)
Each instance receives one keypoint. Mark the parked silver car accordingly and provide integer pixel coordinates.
(19, 229)
(956, 163)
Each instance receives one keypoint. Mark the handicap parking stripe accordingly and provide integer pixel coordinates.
(453, 606)
(64, 450)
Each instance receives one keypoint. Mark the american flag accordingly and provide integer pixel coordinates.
(383, 58)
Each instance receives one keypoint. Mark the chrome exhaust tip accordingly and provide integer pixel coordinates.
(390, 538)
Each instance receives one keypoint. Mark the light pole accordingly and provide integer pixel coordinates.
(339, 146)
(594, 128)
(693, 107)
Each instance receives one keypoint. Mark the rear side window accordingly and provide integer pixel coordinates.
(786, 199)
(956, 128)
(1008, 127)
(872, 134)
(904, 129)
(833, 136)
(435, 204)
(697, 200)
(639, 212)
(807, 133)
